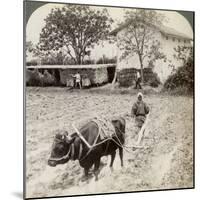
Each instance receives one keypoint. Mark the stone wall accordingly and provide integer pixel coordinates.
(127, 76)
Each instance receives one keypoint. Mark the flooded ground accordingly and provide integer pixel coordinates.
(165, 162)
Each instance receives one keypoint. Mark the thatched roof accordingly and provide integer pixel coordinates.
(165, 30)
(172, 32)
(94, 66)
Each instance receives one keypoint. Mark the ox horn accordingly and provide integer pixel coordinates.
(65, 133)
(70, 139)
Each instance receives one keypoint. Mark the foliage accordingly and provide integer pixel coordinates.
(31, 63)
(35, 78)
(74, 29)
(29, 47)
(88, 62)
(54, 58)
(184, 75)
(106, 60)
(139, 36)
(155, 81)
(34, 50)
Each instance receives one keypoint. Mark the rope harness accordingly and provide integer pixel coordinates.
(63, 157)
(118, 142)
(71, 152)
(95, 144)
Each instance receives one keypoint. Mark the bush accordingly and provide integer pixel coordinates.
(31, 63)
(48, 79)
(106, 60)
(88, 62)
(178, 91)
(34, 78)
(155, 81)
(183, 77)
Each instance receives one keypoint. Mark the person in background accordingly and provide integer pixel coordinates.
(139, 112)
(138, 80)
(77, 77)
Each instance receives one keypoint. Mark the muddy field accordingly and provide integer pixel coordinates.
(165, 162)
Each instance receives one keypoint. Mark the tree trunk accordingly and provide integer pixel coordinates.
(142, 74)
(115, 77)
(141, 69)
(78, 59)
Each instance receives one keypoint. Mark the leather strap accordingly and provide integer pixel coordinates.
(80, 151)
(72, 152)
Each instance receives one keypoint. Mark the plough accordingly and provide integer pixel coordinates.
(142, 130)
(136, 145)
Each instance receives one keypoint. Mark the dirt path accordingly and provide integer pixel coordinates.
(165, 162)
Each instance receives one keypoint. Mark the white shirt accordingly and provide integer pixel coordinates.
(138, 75)
(78, 77)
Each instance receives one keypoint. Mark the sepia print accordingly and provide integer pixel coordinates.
(109, 99)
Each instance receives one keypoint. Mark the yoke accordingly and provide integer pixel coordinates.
(106, 132)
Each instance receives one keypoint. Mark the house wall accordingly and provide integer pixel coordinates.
(163, 68)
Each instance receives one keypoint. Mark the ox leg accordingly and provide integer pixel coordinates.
(85, 176)
(96, 168)
(86, 170)
(121, 156)
(112, 159)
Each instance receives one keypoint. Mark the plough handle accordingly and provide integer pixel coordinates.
(141, 133)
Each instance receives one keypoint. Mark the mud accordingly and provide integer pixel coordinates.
(165, 162)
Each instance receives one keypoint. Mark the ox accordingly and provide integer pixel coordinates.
(72, 147)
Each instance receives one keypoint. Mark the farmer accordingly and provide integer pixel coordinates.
(138, 80)
(139, 112)
(77, 77)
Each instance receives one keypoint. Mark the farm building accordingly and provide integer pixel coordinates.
(168, 39)
(127, 76)
(96, 74)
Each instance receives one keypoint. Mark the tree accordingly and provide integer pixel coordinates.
(183, 76)
(138, 37)
(74, 29)
(183, 53)
(29, 47)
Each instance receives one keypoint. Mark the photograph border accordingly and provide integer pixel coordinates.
(25, 20)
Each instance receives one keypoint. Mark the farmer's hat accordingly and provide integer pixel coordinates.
(140, 94)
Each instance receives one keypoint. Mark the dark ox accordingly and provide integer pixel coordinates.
(67, 148)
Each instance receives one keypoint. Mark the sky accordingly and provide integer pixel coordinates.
(36, 23)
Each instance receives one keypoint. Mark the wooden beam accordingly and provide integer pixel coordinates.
(142, 130)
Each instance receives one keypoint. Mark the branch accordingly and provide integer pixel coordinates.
(70, 53)
(137, 42)
(143, 38)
